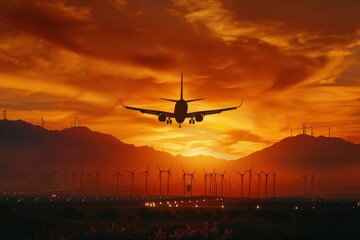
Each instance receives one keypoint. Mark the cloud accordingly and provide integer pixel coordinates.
(78, 57)
(243, 136)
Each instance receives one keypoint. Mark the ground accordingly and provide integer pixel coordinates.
(69, 217)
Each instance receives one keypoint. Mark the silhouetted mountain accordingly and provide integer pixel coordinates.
(25, 148)
(308, 152)
(29, 147)
(334, 162)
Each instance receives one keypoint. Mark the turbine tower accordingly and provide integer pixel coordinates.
(214, 175)
(117, 174)
(184, 180)
(206, 175)
(304, 129)
(4, 114)
(259, 180)
(192, 179)
(242, 183)
(222, 182)
(312, 186)
(266, 182)
(42, 122)
(210, 182)
(160, 172)
(146, 172)
(305, 183)
(274, 175)
(250, 179)
(168, 180)
(132, 180)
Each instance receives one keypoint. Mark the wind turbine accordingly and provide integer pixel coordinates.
(242, 183)
(117, 174)
(305, 181)
(4, 114)
(312, 186)
(160, 172)
(250, 179)
(274, 175)
(168, 180)
(214, 174)
(132, 180)
(210, 182)
(146, 172)
(206, 175)
(42, 122)
(192, 179)
(184, 179)
(266, 182)
(259, 180)
(222, 182)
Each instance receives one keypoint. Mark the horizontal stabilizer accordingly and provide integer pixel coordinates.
(193, 100)
(167, 99)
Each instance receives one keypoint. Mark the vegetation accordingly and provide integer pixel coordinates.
(104, 221)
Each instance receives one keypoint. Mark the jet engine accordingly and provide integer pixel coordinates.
(162, 118)
(199, 118)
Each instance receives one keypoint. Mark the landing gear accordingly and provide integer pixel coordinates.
(191, 121)
(169, 121)
(179, 125)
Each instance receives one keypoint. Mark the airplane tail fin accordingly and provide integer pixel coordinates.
(193, 100)
(170, 100)
(181, 91)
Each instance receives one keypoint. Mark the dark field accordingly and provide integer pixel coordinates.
(123, 218)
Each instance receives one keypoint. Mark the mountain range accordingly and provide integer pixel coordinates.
(27, 150)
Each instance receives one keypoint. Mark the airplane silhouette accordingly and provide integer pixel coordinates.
(180, 111)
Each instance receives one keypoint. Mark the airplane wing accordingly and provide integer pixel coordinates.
(214, 111)
(149, 111)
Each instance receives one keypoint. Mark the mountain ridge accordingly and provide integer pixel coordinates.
(33, 150)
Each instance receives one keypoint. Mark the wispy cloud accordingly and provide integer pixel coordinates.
(294, 63)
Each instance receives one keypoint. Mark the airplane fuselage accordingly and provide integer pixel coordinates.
(180, 111)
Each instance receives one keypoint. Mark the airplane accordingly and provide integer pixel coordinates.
(180, 111)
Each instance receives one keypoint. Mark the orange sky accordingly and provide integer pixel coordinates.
(294, 62)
